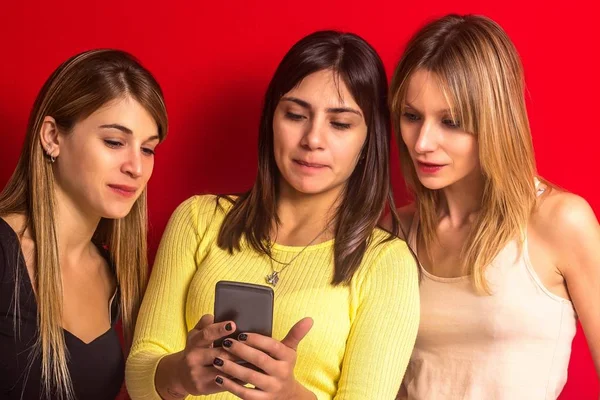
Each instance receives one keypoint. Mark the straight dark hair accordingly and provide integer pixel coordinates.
(368, 190)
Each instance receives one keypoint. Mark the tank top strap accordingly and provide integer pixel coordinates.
(412, 232)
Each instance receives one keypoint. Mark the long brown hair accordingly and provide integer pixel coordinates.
(79, 86)
(368, 189)
(481, 73)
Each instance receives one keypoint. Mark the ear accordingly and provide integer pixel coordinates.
(362, 154)
(49, 137)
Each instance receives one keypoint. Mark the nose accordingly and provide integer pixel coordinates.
(133, 165)
(314, 136)
(427, 141)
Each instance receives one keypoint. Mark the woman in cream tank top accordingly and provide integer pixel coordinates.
(508, 261)
(514, 344)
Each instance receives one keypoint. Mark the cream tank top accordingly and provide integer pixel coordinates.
(514, 344)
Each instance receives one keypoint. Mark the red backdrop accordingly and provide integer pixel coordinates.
(214, 63)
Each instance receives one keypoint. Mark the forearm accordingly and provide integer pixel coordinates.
(167, 379)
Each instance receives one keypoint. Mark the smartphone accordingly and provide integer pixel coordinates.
(249, 306)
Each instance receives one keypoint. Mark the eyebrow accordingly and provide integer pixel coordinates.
(126, 130)
(118, 127)
(334, 110)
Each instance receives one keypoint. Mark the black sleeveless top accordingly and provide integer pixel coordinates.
(96, 368)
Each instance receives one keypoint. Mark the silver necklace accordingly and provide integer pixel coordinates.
(273, 277)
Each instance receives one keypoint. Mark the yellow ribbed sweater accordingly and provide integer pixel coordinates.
(363, 333)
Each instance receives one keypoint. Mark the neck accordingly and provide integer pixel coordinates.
(75, 228)
(461, 201)
(304, 216)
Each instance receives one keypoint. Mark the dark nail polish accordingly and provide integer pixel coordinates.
(242, 337)
(219, 380)
(227, 343)
(218, 362)
(228, 327)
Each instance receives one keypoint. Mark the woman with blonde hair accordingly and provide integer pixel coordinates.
(73, 229)
(508, 261)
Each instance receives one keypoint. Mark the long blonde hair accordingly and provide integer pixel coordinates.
(75, 90)
(482, 76)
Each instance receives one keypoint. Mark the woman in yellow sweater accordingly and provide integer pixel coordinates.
(308, 229)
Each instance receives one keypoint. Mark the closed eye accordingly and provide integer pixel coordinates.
(340, 125)
(113, 143)
(294, 117)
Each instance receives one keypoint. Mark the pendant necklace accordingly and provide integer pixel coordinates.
(273, 277)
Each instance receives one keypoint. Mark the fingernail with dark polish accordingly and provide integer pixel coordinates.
(228, 327)
(219, 380)
(242, 337)
(227, 343)
(218, 362)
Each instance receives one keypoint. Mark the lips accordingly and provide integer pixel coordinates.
(429, 168)
(309, 164)
(429, 164)
(124, 190)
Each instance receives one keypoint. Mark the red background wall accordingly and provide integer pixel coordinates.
(214, 62)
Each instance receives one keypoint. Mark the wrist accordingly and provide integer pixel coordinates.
(302, 393)
(167, 379)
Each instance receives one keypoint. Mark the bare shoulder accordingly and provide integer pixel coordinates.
(405, 214)
(563, 210)
(565, 221)
(15, 221)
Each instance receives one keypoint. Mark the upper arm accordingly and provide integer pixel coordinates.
(384, 328)
(578, 259)
(161, 328)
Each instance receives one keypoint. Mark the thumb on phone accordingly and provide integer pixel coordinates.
(297, 333)
(206, 320)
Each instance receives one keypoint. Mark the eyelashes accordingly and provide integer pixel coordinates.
(448, 122)
(410, 116)
(340, 125)
(335, 124)
(294, 117)
(115, 144)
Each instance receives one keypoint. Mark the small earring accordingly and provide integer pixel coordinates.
(48, 151)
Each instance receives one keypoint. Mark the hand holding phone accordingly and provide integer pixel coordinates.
(275, 361)
(191, 370)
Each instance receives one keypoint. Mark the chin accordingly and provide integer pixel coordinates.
(308, 188)
(434, 184)
(317, 189)
(116, 212)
